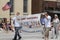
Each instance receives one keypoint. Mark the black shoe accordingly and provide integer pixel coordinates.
(14, 39)
(51, 37)
(56, 37)
(19, 37)
(42, 37)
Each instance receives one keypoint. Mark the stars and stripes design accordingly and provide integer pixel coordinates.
(7, 6)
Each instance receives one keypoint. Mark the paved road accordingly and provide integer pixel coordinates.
(25, 36)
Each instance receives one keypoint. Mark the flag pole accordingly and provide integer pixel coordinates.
(11, 9)
(10, 12)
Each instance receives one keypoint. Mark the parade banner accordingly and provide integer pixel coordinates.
(30, 22)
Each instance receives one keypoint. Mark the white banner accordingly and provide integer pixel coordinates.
(30, 20)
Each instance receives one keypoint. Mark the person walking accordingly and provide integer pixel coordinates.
(55, 24)
(47, 23)
(42, 23)
(17, 26)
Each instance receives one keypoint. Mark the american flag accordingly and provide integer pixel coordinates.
(7, 6)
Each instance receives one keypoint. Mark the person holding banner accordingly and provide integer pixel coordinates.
(42, 23)
(17, 26)
(47, 23)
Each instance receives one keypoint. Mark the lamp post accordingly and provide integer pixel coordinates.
(11, 9)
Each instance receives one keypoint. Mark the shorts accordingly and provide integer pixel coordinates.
(47, 29)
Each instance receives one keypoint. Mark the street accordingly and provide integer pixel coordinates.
(25, 35)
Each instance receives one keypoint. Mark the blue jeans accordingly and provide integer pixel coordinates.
(17, 32)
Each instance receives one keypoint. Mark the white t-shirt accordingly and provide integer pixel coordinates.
(16, 22)
(56, 20)
(47, 21)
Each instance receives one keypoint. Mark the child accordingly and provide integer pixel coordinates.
(8, 26)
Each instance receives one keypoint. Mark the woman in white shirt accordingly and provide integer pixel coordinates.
(55, 24)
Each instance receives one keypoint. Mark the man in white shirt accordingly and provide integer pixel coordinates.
(17, 26)
(47, 21)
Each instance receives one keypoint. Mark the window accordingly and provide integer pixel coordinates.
(58, 3)
(49, 8)
(58, 6)
(25, 3)
(25, 14)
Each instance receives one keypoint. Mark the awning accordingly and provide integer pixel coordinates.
(53, 11)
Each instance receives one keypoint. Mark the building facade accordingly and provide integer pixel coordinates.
(18, 7)
(52, 7)
(28, 7)
(22, 6)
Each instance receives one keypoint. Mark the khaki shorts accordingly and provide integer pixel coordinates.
(47, 31)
